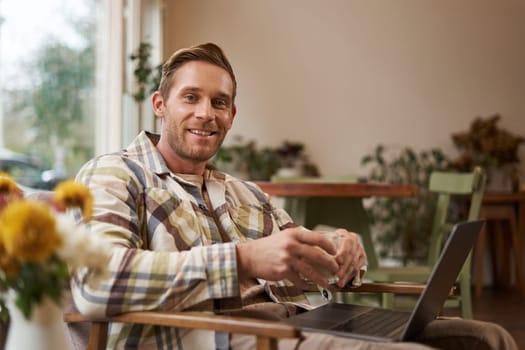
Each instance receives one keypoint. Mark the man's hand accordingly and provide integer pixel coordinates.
(350, 257)
(295, 254)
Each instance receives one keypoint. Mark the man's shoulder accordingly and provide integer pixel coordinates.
(111, 164)
(140, 152)
(118, 158)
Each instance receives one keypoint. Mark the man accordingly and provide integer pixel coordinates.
(188, 237)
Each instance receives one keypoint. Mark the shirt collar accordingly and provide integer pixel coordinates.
(143, 149)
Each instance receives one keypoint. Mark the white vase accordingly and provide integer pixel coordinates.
(43, 331)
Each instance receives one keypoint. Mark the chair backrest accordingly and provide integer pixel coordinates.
(447, 185)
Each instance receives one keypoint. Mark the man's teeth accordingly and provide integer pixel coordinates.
(201, 132)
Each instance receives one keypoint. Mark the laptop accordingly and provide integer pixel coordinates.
(378, 324)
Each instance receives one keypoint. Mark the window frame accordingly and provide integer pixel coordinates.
(119, 118)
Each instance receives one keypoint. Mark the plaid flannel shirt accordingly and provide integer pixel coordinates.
(168, 250)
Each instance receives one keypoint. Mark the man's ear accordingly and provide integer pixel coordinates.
(157, 102)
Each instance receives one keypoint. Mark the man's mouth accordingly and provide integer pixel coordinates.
(201, 132)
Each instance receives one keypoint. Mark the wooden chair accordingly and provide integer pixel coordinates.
(267, 332)
(445, 185)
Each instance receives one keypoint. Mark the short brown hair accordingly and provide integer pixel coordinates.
(208, 52)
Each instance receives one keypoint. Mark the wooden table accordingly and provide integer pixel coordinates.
(337, 189)
(499, 209)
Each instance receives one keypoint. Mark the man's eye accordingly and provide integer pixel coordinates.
(190, 98)
(219, 103)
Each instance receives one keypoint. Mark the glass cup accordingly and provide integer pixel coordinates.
(333, 237)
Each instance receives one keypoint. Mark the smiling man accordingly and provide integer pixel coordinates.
(188, 237)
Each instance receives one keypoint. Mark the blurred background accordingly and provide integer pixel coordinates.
(336, 78)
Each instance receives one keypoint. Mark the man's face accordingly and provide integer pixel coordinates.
(197, 113)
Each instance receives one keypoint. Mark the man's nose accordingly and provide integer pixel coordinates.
(204, 109)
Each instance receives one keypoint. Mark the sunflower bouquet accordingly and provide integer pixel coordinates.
(40, 245)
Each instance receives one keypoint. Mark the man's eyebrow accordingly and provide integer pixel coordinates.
(190, 89)
(225, 95)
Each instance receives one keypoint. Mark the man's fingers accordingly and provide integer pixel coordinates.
(359, 260)
(346, 272)
(311, 273)
(314, 238)
(314, 256)
(350, 257)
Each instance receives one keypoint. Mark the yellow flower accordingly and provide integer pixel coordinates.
(71, 194)
(7, 184)
(8, 264)
(8, 189)
(28, 231)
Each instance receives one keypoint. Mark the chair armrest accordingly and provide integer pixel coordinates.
(267, 332)
(199, 320)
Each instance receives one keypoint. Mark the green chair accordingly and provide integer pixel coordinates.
(446, 185)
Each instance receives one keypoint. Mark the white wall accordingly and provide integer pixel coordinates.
(343, 75)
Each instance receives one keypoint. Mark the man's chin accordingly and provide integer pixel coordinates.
(201, 156)
(197, 152)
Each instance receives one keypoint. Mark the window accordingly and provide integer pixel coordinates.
(47, 78)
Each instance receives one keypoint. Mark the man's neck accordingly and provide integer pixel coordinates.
(177, 164)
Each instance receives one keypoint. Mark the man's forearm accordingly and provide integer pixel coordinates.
(147, 280)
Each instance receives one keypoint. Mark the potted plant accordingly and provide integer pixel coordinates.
(495, 149)
(293, 161)
(400, 225)
(247, 161)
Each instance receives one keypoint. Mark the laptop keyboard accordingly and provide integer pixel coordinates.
(378, 322)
